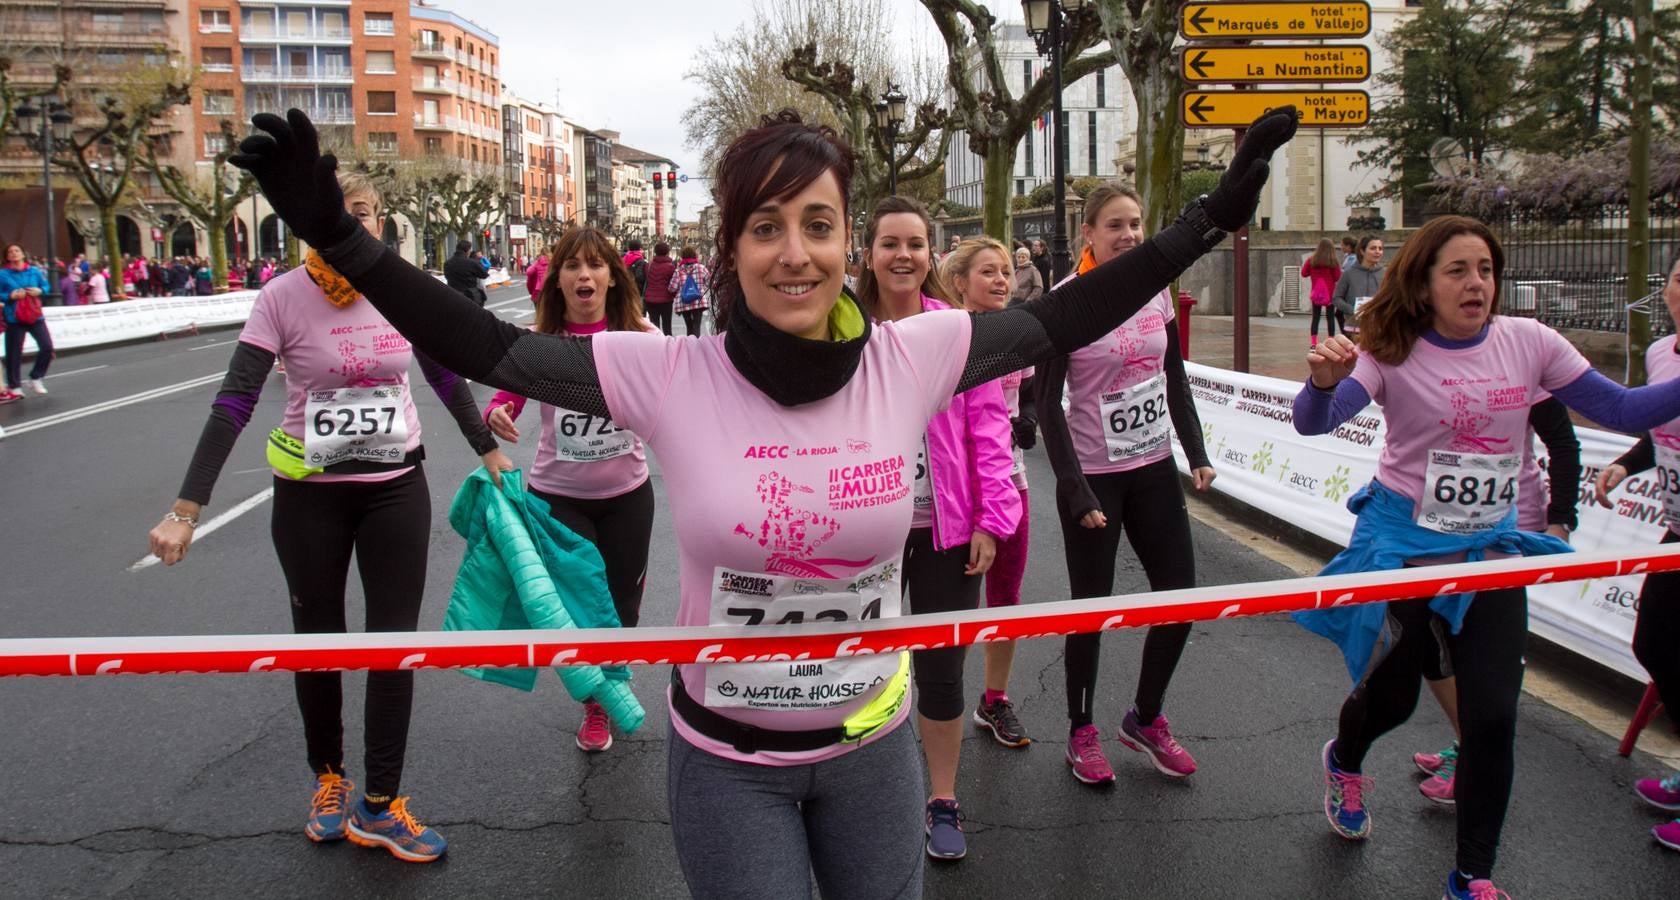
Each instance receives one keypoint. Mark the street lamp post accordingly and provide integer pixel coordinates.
(889, 115)
(1045, 22)
(55, 123)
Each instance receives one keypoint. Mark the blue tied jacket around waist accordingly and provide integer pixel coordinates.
(522, 570)
(1384, 538)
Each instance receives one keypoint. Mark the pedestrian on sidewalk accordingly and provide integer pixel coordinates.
(1656, 630)
(1359, 283)
(1455, 381)
(979, 275)
(690, 285)
(97, 285)
(1112, 454)
(1321, 267)
(339, 494)
(1027, 283)
(1350, 253)
(660, 295)
(21, 288)
(963, 503)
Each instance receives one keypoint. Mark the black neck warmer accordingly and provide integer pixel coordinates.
(789, 369)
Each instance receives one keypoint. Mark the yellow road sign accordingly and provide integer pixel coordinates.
(1260, 20)
(1234, 109)
(1329, 64)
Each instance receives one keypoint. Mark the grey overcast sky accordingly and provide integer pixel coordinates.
(621, 67)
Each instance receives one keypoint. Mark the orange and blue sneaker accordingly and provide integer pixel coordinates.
(396, 831)
(326, 808)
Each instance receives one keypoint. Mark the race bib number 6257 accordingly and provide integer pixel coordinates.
(367, 424)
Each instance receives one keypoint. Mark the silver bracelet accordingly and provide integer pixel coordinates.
(173, 516)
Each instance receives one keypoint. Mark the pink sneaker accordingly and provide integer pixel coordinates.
(1663, 793)
(1668, 835)
(1085, 756)
(1430, 763)
(1156, 740)
(1439, 787)
(594, 735)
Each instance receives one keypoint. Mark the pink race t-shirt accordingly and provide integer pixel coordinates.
(326, 348)
(586, 457)
(786, 514)
(1469, 401)
(1661, 364)
(1117, 392)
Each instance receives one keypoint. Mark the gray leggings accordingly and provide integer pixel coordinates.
(750, 831)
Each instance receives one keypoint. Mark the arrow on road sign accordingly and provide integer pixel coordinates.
(1265, 19)
(1236, 109)
(1263, 64)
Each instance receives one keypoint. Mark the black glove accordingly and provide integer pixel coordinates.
(300, 183)
(1025, 432)
(1232, 203)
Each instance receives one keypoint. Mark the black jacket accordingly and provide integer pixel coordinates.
(462, 273)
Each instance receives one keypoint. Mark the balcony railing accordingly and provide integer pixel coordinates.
(434, 50)
(434, 123)
(439, 85)
(289, 74)
(286, 33)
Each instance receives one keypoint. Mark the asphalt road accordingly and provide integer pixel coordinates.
(196, 786)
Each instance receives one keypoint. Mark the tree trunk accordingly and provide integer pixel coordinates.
(113, 251)
(1639, 189)
(219, 252)
(1160, 146)
(292, 254)
(996, 187)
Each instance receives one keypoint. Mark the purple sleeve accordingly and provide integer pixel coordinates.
(1319, 411)
(1621, 408)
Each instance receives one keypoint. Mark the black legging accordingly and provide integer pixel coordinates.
(1656, 633)
(691, 321)
(620, 527)
(1332, 318)
(388, 525)
(1487, 658)
(1148, 505)
(935, 581)
(660, 315)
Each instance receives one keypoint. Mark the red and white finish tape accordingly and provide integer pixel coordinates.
(387, 651)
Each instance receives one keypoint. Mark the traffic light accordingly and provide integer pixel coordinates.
(487, 234)
(658, 180)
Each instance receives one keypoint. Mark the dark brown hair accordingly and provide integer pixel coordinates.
(624, 302)
(1106, 193)
(868, 293)
(1391, 321)
(774, 161)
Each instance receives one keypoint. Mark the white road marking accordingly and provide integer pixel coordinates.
(108, 405)
(57, 375)
(509, 302)
(217, 344)
(528, 312)
(203, 531)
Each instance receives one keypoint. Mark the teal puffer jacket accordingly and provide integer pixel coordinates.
(524, 570)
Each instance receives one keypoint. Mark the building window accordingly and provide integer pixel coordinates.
(214, 143)
(1091, 143)
(1029, 143)
(107, 21)
(218, 103)
(217, 59)
(1102, 89)
(214, 20)
(1020, 187)
(334, 25)
(379, 23)
(382, 62)
(1026, 75)
(434, 146)
(382, 103)
(382, 142)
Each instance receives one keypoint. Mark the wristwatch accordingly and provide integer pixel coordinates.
(1195, 215)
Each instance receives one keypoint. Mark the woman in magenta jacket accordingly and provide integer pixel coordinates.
(1321, 268)
(964, 503)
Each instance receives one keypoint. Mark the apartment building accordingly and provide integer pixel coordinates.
(538, 166)
(595, 176)
(658, 199)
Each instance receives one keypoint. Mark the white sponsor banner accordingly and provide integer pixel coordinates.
(105, 323)
(1305, 481)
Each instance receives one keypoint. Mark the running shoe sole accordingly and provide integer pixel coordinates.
(363, 839)
(601, 749)
(1438, 801)
(1138, 746)
(984, 725)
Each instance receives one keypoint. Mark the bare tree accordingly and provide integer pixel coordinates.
(12, 92)
(1140, 35)
(984, 106)
(102, 160)
(209, 197)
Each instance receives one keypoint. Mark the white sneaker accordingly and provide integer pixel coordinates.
(36, 386)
